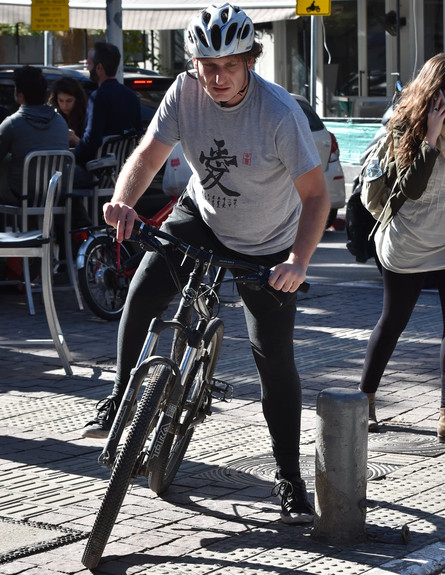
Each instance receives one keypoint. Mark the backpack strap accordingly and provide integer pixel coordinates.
(385, 208)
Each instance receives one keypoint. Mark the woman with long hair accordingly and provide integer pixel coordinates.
(70, 100)
(413, 243)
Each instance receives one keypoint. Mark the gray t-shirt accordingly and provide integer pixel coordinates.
(413, 242)
(243, 159)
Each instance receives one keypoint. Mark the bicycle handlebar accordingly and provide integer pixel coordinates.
(148, 236)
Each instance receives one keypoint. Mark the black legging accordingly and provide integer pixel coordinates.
(270, 327)
(401, 292)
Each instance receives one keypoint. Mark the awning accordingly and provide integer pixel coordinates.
(146, 14)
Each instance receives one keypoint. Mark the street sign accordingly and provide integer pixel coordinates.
(313, 8)
(50, 15)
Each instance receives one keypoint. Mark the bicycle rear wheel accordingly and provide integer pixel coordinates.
(193, 407)
(127, 462)
(103, 286)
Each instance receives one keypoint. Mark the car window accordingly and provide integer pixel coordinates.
(8, 104)
(150, 90)
(314, 121)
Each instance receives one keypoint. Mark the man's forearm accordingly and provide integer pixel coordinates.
(140, 169)
(310, 228)
(132, 182)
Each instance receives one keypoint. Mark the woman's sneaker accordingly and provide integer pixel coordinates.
(295, 507)
(99, 427)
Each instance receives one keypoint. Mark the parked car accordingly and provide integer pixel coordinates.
(149, 85)
(329, 152)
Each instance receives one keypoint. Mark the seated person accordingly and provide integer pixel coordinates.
(113, 109)
(35, 126)
(69, 98)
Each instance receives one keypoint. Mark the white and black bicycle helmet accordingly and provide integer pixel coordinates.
(220, 31)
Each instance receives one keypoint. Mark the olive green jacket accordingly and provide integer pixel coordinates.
(412, 181)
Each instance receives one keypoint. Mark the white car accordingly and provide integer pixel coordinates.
(329, 152)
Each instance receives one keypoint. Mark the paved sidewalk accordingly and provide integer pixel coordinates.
(219, 516)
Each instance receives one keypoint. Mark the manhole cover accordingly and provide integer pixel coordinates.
(260, 470)
(408, 443)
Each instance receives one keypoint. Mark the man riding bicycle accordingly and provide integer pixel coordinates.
(250, 149)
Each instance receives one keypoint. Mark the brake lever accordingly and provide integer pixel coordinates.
(150, 244)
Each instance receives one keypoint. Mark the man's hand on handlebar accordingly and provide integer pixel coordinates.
(287, 277)
(121, 217)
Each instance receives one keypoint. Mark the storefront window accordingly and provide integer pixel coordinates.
(341, 43)
(433, 27)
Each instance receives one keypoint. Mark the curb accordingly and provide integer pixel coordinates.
(425, 561)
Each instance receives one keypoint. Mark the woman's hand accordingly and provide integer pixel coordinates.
(73, 138)
(436, 116)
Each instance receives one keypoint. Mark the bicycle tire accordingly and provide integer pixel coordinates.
(103, 287)
(125, 465)
(177, 440)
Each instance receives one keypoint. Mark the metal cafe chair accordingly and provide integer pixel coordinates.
(38, 169)
(38, 244)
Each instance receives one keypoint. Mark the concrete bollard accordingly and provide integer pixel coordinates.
(341, 453)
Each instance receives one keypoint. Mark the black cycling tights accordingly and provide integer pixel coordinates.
(401, 292)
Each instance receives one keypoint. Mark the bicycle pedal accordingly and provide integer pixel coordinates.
(221, 390)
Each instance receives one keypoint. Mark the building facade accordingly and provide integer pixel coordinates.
(362, 49)
(347, 64)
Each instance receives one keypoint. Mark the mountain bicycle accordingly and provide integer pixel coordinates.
(178, 384)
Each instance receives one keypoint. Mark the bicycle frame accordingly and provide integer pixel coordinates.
(147, 359)
(191, 296)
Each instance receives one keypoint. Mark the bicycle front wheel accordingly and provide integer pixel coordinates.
(127, 462)
(103, 286)
(192, 409)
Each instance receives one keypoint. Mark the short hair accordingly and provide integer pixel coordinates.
(108, 55)
(255, 52)
(31, 82)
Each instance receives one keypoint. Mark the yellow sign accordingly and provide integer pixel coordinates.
(50, 15)
(313, 8)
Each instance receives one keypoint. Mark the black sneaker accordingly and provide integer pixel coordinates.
(99, 427)
(295, 507)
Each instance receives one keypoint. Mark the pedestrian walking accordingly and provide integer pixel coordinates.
(413, 243)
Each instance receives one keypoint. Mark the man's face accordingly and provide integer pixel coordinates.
(223, 78)
(92, 67)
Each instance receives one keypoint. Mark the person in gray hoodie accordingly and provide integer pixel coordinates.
(35, 126)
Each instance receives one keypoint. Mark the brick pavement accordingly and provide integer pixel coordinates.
(218, 516)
